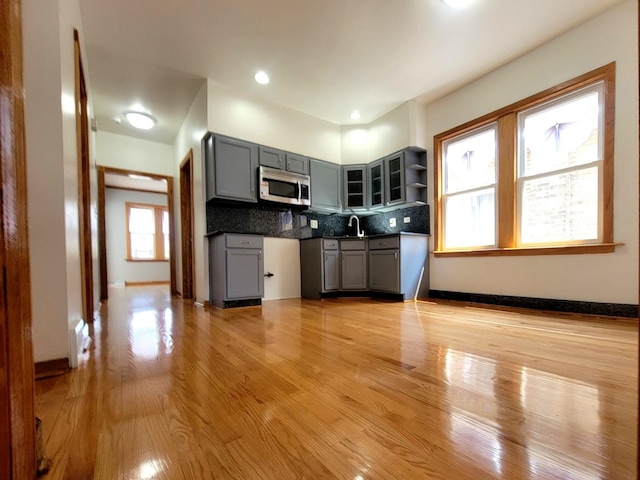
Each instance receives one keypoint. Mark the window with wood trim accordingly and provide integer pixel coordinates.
(532, 178)
(147, 232)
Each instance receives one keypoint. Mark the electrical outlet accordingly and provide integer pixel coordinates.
(407, 219)
(314, 224)
(392, 222)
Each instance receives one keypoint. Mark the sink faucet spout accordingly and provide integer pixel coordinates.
(359, 233)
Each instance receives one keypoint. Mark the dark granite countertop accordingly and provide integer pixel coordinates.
(351, 237)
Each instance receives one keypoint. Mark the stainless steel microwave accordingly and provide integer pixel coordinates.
(284, 187)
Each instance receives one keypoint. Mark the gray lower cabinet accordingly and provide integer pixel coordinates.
(353, 264)
(398, 264)
(330, 270)
(319, 267)
(384, 270)
(236, 269)
(230, 168)
(326, 186)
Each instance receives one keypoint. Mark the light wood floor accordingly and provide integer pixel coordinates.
(348, 389)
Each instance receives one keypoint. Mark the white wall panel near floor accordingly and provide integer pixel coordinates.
(282, 258)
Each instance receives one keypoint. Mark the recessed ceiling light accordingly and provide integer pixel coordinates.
(140, 120)
(458, 3)
(261, 77)
(355, 115)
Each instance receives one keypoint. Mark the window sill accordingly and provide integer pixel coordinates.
(525, 251)
(146, 259)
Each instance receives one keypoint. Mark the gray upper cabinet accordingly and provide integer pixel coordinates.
(271, 157)
(354, 188)
(326, 183)
(394, 179)
(297, 163)
(375, 193)
(231, 167)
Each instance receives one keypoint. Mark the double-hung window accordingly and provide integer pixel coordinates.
(535, 177)
(147, 232)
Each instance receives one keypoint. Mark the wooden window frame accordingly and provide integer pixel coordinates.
(506, 220)
(158, 210)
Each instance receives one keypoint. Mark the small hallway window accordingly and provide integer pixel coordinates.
(147, 232)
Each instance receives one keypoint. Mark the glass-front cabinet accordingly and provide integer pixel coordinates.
(394, 176)
(375, 172)
(355, 187)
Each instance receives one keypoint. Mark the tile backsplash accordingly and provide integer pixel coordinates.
(282, 221)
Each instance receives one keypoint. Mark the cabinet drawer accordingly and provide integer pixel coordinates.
(384, 243)
(243, 241)
(329, 244)
(353, 245)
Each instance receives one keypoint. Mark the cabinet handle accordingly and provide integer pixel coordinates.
(395, 255)
(246, 242)
(260, 254)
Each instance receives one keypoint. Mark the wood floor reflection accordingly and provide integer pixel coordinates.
(348, 389)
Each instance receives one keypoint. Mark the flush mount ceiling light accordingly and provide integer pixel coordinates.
(355, 115)
(458, 3)
(140, 120)
(261, 77)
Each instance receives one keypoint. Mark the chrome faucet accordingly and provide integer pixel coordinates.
(358, 231)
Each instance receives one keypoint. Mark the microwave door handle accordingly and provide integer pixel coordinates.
(299, 193)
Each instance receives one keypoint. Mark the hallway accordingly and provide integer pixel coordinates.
(352, 388)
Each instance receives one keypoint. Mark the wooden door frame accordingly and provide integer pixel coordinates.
(84, 184)
(17, 402)
(186, 226)
(102, 236)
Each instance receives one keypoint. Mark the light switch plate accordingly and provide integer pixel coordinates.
(392, 222)
(314, 224)
(407, 219)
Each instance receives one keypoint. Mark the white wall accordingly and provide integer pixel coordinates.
(603, 278)
(282, 258)
(391, 132)
(52, 173)
(119, 270)
(188, 138)
(128, 153)
(239, 115)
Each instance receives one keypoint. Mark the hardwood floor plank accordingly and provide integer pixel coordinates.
(352, 389)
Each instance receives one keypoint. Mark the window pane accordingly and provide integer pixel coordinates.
(166, 246)
(560, 208)
(165, 223)
(471, 161)
(141, 220)
(470, 219)
(563, 135)
(142, 245)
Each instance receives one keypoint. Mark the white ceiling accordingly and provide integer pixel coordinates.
(118, 180)
(325, 57)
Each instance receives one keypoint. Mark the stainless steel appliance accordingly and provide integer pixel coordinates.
(284, 187)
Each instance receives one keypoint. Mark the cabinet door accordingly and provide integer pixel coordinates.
(375, 172)
(235, 169)
(325, 186)
(354, 270)
(384, 270)
(297, 164)
(331, 270)
(354, 187)
(245, 273)
(271, 157)
(394, 176)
